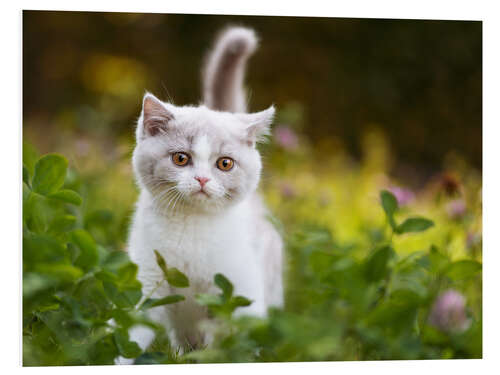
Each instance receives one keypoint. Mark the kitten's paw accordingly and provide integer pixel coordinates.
(124, 361)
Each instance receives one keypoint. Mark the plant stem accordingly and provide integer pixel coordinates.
(149, 295)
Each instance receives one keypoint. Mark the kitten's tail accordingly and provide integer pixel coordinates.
(225, 70)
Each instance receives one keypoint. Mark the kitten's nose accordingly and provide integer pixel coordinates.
(202, 180)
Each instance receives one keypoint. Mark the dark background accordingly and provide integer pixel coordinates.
(417, 80)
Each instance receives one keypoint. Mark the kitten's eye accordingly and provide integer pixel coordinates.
(180, 158)
(225, 164)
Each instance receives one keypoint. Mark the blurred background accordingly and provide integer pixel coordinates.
(419, 81)
(363, 104)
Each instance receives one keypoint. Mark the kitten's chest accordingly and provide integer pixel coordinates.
(202, 246)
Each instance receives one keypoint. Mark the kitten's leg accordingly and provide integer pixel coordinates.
(186, 318)
(144, 335)
(253, 289)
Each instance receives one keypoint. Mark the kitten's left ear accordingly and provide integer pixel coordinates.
(155, 117)
(258, 124)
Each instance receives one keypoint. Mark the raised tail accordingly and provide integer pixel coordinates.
(224, 71)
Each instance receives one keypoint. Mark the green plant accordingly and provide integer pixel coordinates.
(79, 297)
(344, 307)
(345, 300)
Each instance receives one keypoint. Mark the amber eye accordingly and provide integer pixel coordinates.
(225, 164)
(180, 158)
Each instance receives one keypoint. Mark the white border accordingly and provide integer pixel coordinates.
(11, 160)
(428, 9)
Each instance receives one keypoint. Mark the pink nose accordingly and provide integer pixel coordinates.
(202, 180)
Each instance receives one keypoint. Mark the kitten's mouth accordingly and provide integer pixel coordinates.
(202, 192)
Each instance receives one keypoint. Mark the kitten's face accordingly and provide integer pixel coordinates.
(192, 159)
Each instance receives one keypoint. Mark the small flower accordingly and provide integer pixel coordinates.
(286, 137)
(448, 312)
(82, 147)
(472, 239)
(403, 196)
(287, 190)
(456, 209)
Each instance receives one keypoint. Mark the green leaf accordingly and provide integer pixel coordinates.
(30, 157)
(414, 224)
(62, 272)
(26, 193)
(173, 276)
(106, 276)
(177, 278)
(88, 256)
(376, 266)
(240, 301)
(209, 300)
(153, 302)
(62, 224)
(463, 269)
(68, 196)
(127, 348)
(390, 206)
(161, 262)
(225, 285)
(133, 295)
(321, 263)
(122, 299)
(396, 314)
(34, 283)
(36, 212)
(127, 277)
(42, 249)
(26, 175)
(433, 335)
(406, 296)
(50, 172)
(438, 261)
(115, 260)
(26, 209)
(123, 318)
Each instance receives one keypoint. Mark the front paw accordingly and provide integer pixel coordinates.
(124, 361)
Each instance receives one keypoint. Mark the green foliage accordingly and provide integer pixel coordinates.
(153, 302)
(414, 224)
(79, 298)
(376, 266)
(359, 289)
(67, 196)
(224, 303)
(50, 172)
(173, 276)
(343, 306)
(463, 269)
(390, 205)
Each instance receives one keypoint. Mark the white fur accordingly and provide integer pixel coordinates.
(225, 230)
(201, 246)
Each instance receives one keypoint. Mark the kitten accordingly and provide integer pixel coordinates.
(198, 171)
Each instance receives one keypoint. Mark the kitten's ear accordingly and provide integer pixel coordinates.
(258, 124)
(154, 117)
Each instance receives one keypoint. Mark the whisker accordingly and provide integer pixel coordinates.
(175, 203)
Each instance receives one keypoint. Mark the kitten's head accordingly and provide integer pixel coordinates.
(193, 159)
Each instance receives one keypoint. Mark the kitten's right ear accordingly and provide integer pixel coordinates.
(154, 117)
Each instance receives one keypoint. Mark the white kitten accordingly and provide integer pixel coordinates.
(198, 171)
